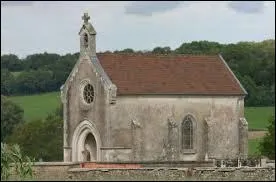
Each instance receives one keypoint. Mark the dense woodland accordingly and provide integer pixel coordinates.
(252, 62)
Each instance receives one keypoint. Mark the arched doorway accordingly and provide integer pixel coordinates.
(90, 146)
(86, 142)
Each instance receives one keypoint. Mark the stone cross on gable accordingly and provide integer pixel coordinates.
(85, 17)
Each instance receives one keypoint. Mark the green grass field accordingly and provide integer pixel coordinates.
(253, 146)
(257, 117)
(37, 106)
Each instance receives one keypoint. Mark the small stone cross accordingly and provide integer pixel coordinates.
(85, 17)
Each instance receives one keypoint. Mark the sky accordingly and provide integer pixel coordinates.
(29, 27)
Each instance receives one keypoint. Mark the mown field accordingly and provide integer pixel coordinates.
(38, 106)
(257, 117)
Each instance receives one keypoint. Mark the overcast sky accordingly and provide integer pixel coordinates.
(35, 27)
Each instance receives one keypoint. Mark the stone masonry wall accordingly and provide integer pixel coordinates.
(71, 172)
(153, 138)
(172, 174)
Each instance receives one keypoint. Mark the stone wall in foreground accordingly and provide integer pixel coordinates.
(171, 174)
(72, 171)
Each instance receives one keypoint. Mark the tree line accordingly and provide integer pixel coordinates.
(252, 62)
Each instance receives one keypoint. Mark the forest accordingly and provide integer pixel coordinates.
(252, 62)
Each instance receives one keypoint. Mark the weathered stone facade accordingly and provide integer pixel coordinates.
(145, 127)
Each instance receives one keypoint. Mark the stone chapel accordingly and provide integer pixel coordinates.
(145, 107)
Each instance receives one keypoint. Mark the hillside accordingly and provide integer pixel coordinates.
(37, 106)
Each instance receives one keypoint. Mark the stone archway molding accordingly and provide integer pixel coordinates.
(79, 136)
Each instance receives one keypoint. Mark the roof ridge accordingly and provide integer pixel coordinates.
(160, 55)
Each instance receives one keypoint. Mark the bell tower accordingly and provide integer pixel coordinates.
(87, 37)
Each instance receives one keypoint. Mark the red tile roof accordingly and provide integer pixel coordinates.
(169, 74)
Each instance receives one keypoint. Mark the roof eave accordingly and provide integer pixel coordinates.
(184, 94)
(229, 69)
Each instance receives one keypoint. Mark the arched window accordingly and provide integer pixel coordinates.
(85, 40)
(187, 133)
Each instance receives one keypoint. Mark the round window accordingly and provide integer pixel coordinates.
(88, 93)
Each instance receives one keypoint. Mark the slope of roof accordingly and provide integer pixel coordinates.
(169, 74)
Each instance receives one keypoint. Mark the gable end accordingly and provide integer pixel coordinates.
(229, 69)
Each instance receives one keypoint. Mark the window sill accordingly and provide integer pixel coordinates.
(189, 151)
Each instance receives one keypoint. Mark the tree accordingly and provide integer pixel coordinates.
(7, 81)
(267, 145)
(62, 68)
(11, 115)
(25, 83)
(252, 90)
(13, 155)
(11, 62)
(43, 81)
(161, 50)
(41, 139)
(128, 50)
(199, 47)
(38, 61)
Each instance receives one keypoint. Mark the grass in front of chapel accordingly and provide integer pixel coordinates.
(257, 117)
(37, 106)
(253, 145)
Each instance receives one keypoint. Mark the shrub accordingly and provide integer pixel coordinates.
(42, 139)
(267, 145)
(11, 115)
(13, 155)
